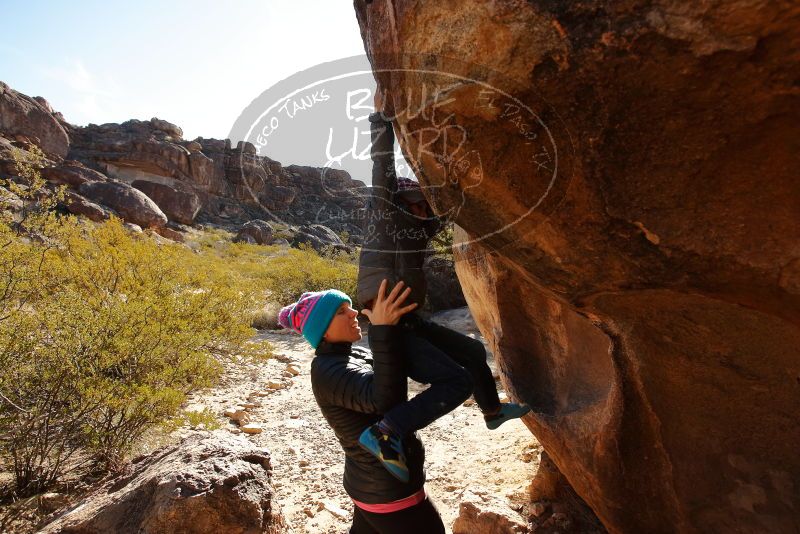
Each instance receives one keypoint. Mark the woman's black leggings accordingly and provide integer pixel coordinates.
(422, 518)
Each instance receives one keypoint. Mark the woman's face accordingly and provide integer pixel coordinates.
(344, 326)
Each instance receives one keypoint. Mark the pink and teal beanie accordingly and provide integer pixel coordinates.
(311, 315)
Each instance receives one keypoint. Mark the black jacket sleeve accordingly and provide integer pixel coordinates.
(355, 386)
(384, 176)
(378, 252)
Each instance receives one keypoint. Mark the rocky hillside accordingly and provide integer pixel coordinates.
(149, 175)
(146, 173)
(627, 175)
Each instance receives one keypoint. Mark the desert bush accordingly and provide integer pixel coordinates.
(442, 242)
(108, 345)
(289, 275)
(204, 419)
(102, 335)
(266, 317)
(282, 275)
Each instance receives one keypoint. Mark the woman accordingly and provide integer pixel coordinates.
(353, 388)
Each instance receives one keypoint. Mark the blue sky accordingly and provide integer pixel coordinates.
(197, 64)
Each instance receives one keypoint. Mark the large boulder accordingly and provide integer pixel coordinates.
(131, 204)
(320, 238)
(23, 115)
(257, 232)
(78, 205)
(277, 198)
(444, 289)
(73, 174)
(179, 206)
(626, 178)
(11, 206)
(482, 513)
(167, 127)
(210, 482)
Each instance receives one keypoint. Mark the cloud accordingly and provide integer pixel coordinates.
(89, 98)
(75, 76)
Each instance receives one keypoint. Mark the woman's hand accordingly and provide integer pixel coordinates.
(387, 310)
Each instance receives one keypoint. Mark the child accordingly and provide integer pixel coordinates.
(399, 225)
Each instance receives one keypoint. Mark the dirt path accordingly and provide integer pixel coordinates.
(308, 462)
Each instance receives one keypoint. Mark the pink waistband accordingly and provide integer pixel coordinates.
(394, 506)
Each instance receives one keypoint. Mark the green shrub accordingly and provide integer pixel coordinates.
(281, 275)
(102, 335)
(442, 242)
(204, 419)
(266, 317)
(108, 344)
(291, 274)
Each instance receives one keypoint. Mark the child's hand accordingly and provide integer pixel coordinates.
(388, 309)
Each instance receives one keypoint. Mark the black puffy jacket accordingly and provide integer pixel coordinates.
(353, 388)
(395, 241)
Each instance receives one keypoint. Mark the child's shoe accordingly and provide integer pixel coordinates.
(387, 448)
(508, 410)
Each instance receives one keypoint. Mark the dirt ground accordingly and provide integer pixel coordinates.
(462, 454)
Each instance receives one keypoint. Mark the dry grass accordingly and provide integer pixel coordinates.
(266, 318)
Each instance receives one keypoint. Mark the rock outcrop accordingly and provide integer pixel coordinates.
(204, 180)
(72, 174)
(32, 119)
(626, 178)
(207, 483)
(209, 180)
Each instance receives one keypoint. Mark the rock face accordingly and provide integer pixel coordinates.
(210, 180)
(25, 116)
(207, 483)
(326, 196)
(626, 178)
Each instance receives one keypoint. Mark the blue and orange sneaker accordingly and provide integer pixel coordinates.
(388, 449)
(508, 411)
